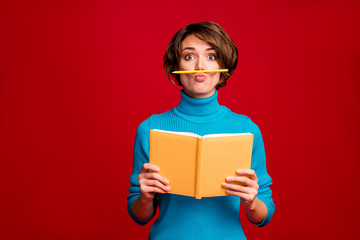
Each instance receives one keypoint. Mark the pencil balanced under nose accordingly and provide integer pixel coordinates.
(200, 71)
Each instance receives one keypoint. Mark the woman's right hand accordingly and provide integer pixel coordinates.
(151, 182)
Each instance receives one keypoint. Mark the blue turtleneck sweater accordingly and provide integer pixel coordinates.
(183, 217)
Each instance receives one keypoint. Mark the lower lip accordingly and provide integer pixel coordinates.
(200, 78)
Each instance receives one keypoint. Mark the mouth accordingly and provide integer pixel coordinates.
(199, 77)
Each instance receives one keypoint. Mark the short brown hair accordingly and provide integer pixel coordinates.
(215, 36)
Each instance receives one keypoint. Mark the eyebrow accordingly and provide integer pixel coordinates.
(191, 48)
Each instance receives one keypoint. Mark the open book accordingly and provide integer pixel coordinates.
(198, 165)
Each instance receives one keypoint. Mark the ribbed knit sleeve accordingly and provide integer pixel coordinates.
(140, 156)
(258, 163)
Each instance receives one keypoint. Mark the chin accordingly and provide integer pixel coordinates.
(200, 93)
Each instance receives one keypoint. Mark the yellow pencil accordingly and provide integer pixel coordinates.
(201, 71)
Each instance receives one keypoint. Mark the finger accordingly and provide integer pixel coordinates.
(156, 176)
(149, 167)
(155, 184)
(151, 189)
(238, 188)
(244, 180)
(235, 187)
(250, 172)
(247, 197)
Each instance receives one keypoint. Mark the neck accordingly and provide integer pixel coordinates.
(203, 95)
(198, 106)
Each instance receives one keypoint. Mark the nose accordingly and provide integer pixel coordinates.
(200, 65)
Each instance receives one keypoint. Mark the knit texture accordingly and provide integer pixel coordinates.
(183, 217)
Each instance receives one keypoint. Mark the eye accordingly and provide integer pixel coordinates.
(212, 57)
(189, 57)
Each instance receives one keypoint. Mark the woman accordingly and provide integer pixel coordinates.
(200, 46)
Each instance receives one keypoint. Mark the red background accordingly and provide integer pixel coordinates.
(78, 77)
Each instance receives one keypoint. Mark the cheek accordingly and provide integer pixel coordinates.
(184, 79)
(216, 64)
(216, 79)
(183, 65)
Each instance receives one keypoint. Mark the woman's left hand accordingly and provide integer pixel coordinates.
(247, 191)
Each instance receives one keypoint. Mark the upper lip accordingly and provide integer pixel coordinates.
(199, 75)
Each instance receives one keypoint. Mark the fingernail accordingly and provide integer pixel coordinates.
(239, 171)
(167, 182)
(228, 179)
(157, 169)
(224, 184)
(168, 188)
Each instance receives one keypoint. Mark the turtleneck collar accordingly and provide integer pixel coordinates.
(199, 106)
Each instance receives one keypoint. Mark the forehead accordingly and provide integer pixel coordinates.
(194, 42)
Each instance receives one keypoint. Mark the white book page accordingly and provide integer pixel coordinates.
(205, 136)
(225, 135)
(179, 133)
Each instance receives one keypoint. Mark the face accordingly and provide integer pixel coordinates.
(197, 54)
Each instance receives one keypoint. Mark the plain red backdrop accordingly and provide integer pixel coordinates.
(78, 77)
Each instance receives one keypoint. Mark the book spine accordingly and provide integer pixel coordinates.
(200, 158)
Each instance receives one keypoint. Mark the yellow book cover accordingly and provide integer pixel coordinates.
(197, 165)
